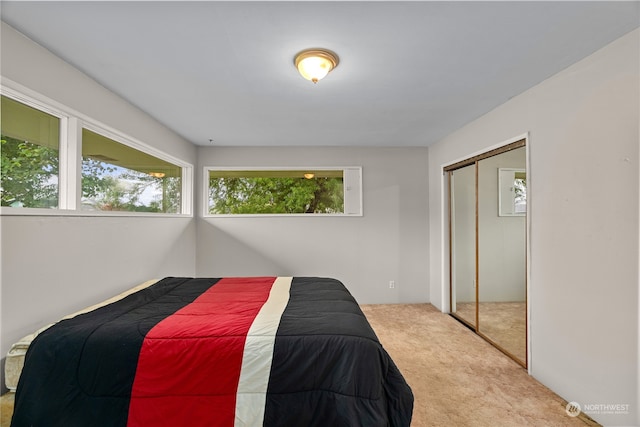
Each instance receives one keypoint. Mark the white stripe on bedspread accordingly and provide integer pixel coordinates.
(258, 354)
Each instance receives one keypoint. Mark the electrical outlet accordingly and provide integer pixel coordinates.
(392, 284)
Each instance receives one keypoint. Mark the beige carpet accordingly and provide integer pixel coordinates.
(458, 379)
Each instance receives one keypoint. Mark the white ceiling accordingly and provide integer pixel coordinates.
(410, 73)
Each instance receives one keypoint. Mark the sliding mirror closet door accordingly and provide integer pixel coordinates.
(502, 304)
(463, 254)
(487, 218)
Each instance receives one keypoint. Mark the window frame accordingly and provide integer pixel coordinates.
(355, 201)
(63, 158)
(70, 158)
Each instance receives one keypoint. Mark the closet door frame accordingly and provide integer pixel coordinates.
(448, 170)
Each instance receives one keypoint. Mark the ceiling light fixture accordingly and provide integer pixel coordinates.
(309, 175)
(315, 64)
(157, 174)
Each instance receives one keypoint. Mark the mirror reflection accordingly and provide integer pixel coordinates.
(463, 261)
(491, 298)
(502, 252)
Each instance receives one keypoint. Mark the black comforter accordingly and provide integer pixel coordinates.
(191, 352)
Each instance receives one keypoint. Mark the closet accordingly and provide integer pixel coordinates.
(487, 246)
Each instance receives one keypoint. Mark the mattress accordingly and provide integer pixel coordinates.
(273, 351)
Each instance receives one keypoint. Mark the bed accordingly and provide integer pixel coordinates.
(237, 351)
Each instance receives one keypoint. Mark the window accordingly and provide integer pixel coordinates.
(30, 150)
(283, 191)
(57, 159)
(116, 177)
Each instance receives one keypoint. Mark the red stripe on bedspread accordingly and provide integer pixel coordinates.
(189, 364)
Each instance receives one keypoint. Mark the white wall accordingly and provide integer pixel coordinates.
(583, 186)
(389, 242)
(52, 266)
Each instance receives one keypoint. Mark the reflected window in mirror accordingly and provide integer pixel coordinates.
(512, 191)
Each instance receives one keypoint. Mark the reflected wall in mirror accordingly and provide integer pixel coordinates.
(463, 260)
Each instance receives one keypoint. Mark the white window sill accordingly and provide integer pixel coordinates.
(7, 211)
